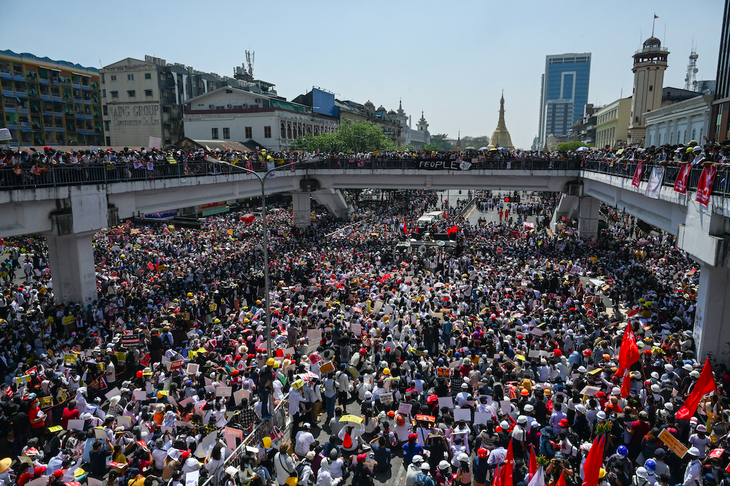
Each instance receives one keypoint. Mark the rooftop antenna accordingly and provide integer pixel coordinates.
(250, 60)
(100, 66)
(652, 24)
(690, 79)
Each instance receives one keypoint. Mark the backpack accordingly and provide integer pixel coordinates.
(420, 480)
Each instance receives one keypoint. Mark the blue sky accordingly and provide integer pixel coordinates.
(450, 59)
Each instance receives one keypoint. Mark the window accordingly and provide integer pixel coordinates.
(214, 133)
(148, 92)
(267, 132)
(651, 88)
(130, 77)
(283, 130)
(288, 130)
(249, 133)
(113, 77)
(105, 110)
(148, 75)
(226, 133)
(115, 94)
(103, 93)
(106, 126)
(131, 93)
(102, 78)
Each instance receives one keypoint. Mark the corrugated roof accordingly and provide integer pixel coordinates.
(8, 52)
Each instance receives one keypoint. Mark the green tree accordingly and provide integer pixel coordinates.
(438, 143)
(476, 142)
(351, 137)
(570, 146)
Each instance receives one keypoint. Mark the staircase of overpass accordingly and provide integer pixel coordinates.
(69, 204)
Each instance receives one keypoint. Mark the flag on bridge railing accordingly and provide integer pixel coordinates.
(637, 175)
(680, 185)
(704, 187)
(655, 182)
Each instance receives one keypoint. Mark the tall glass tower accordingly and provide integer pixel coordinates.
(564, 93)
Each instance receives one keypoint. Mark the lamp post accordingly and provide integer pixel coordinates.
(262, 180)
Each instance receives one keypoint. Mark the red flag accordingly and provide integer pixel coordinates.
(594, 461)
(561, 481)
(533, 462)
(680, 185)
(704, 187)
(704, 385)
(637, 175)
(405, 228)
(445, 215)
(508, 469)
(629, 352)
(453, 229)
(626, 385)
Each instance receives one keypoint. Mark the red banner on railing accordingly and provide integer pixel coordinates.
(637, 175)
(704, 187)
(680, 185)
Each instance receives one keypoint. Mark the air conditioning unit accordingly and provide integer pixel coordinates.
(212, 107)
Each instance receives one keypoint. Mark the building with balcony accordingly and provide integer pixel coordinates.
(143, 100)
(47, 102)
(612, 124)
(256, 119)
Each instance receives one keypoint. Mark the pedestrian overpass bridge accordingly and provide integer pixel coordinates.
(69, 205)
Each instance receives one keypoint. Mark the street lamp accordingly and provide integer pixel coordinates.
(262, 180)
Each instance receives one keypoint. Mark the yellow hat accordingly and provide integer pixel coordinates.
(5, 464)
(267, 442)
(270, 362)
(297, 384)
(386, 371)
(276, 364)
(190, 294)
(292, 481)
(601, 473)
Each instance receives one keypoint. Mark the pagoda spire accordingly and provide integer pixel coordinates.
(501, 136)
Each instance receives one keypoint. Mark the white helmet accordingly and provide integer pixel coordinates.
(444, 465)
(462, 457)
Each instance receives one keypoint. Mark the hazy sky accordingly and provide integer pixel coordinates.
(450, 59)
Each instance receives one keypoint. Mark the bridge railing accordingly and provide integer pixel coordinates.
(68, 175)
(721, 187)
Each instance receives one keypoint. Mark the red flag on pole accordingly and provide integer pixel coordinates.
(704, 385)
(629, 352)
(451, 230)
(405, 227)
(533, 462)
(594, 461)
(508, 469)
(561, 480)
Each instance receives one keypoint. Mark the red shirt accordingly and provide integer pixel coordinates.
(32, 415)
(69, 415)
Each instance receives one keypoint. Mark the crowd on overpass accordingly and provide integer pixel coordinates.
(519, 355)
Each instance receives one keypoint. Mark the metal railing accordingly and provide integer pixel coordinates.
(280, 419)
(721, 187)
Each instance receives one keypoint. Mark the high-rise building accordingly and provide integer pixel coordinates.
(564, 93)
(650, 62)
(47, 102)
(720, 118)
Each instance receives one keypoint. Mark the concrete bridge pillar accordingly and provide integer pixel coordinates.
(588, 217)
(712, 319)
(302, 209)
(71, 258)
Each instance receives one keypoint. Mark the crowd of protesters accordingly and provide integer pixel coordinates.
(506, 354)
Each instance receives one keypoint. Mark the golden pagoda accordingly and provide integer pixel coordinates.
(501, 137)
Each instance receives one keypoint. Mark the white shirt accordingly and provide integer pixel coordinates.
(304, 440)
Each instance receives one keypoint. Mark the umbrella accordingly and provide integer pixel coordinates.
(503, 149)
(484, 148)
(581, 149)
(351, 418)
(470, 148)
